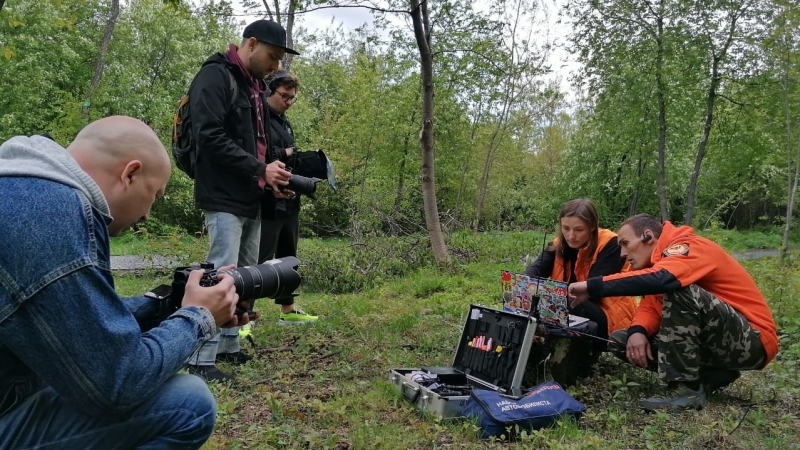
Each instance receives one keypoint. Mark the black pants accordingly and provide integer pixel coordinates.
(279, 238)
(593, 312)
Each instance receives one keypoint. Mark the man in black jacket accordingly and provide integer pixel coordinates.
(280, 218)
(233, 167)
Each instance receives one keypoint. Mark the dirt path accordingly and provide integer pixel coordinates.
(135, 262)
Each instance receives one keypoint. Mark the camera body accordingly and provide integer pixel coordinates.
(277, 278)
(309, 168)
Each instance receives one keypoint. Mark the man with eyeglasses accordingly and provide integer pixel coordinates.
(227, 101)
(280, 217)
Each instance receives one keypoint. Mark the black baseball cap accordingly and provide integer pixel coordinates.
(268, 32)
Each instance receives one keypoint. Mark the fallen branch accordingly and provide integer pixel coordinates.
(328, 355)
(274, 349)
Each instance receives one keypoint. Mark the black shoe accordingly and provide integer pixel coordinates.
(715, 379)
(683, 397)
(237, 359)
(210, 373)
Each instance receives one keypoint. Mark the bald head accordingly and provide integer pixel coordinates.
(117, 140)
(129, 164)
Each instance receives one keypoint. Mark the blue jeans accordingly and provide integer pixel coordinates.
(232, 240)
(180, 415)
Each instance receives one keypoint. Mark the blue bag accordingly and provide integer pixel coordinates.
(541, 406)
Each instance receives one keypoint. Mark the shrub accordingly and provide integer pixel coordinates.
(344, 266)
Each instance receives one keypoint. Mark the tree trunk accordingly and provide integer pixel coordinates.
(711, 98)
(487, 164)
(462, 185)
(100, 64)
(510, 97)
(401, 170)
(422, 29)
(662, 116)
(270, 16)
(287, 62)
(633, 205)
(792, 180)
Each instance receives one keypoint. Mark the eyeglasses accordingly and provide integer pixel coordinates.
(286, 97)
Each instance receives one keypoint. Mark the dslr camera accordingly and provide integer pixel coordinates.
(276, 279)
(309, 168)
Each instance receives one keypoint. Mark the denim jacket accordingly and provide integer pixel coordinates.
(62, 324)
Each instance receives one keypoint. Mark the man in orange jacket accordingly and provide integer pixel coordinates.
(714, 321)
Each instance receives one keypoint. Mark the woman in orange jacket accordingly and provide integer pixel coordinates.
(580, 251)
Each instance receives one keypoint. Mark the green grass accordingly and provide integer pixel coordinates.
(326, 386)
(181, 246)
(736, 241)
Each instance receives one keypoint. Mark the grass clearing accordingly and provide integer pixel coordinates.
(326, 386)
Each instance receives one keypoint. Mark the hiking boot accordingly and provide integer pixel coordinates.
(210, 373)
(296, 317)
(237, 358)
(715, 379)
(684, 398)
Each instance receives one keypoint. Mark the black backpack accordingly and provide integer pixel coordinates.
(184, 148)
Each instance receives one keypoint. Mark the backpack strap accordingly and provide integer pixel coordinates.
(234, 90)
(177, 119)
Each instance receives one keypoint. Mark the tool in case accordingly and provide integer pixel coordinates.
(491, 354)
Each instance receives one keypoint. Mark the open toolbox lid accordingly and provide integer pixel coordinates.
(494, 347)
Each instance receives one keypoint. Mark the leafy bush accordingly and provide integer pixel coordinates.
(176, 207)
(327, 215)
(736, 240)
(154, 227)
(344, 267)
(517, 247)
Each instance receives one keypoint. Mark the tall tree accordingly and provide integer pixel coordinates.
(658, 36)
(285, 16)
(100, 62)
(783, 46)
(515, 83)
(718, 43)
(614, 25)
(422, 34)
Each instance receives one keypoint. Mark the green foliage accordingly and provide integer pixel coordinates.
(44, 46)
(743, 177)
(360, 102)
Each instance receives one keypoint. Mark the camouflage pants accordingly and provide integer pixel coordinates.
(619, 346)
(698, 332)
(698, 329)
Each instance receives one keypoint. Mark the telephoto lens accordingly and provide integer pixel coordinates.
(277, 278)
(303, 185)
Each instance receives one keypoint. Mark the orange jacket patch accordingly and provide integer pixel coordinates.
(676, 250)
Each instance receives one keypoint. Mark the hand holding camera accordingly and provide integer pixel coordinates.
(277, 178)
(220, 299)
(229, 293)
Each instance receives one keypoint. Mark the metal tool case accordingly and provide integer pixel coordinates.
(491, 354)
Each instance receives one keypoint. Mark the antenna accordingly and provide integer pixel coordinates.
(544, 240)
(534, 312)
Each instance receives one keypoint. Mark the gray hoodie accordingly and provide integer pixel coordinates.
(40, 157)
